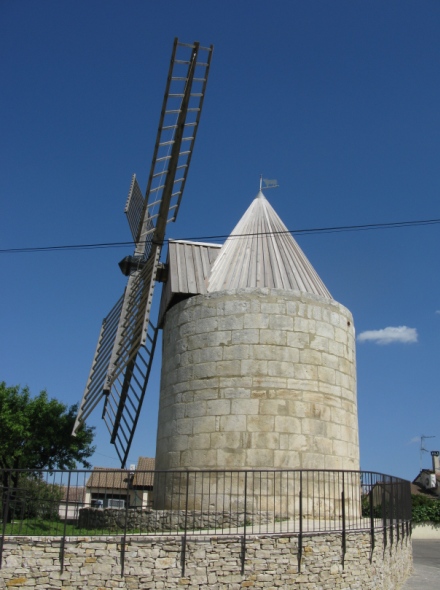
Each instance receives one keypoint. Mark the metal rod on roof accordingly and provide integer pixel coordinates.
(423, 437)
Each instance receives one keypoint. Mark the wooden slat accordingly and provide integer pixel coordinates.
(260, 252)
(173, 278)
(189, 265)
(181, 271)
(190, 271)
(198, 254)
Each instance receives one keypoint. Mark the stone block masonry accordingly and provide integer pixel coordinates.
(258, 379)
(211, 562)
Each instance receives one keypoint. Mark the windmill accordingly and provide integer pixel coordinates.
(124, 353)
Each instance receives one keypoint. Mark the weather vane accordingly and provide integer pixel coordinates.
(268, 183)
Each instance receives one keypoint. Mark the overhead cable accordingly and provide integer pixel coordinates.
(308, 231)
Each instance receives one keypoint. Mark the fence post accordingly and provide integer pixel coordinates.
(124, 537)
(300, 538)
(384, 516)
(5, 502)
(344, 546)
(63, 539)
(183, 554)
(243, 541)
(371, 522)
(391, 511)
(403, 513)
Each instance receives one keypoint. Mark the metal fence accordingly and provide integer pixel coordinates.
(124, 502)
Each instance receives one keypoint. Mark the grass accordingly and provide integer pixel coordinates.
(41, 528)
(38, 527)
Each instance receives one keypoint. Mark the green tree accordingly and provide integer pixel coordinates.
(36, 433)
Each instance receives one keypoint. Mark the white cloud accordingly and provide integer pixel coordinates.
(390, 335)
(438, 311)
(415, 439)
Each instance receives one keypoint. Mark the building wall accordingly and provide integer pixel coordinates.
(258, 379)
(69, 511)
(137, 498)
(210, 562)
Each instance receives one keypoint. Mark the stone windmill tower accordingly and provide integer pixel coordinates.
(258, 360)
(258, 364)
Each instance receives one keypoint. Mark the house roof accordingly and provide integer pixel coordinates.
(104, 478)
(261, 252)
(417, 486)
(117, 479)
(144, 474)
(73, 494)
(418, 490)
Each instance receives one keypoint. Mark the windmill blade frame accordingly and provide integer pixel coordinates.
(122, 375)
(94, 387)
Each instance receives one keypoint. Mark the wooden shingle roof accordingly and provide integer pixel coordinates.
(189, 265)
(261, 252)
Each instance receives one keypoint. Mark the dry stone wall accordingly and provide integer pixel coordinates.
(211, 562)
(163, 521)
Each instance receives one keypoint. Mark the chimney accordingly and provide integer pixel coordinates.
(435, 462)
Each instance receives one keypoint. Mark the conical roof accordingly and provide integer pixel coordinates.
(260, 252)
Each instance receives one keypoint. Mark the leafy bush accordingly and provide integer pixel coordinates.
(425, 509)
(33, 498)
(377, 509)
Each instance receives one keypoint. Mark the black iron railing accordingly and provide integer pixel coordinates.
(124, 502)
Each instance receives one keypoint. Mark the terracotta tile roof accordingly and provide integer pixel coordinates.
(104, 478)
(418, 490)
(117, 479)
(144, 475)
(73, 494)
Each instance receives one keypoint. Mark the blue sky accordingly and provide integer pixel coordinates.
(339, 101)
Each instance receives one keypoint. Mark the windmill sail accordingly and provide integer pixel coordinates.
(134, 207)
(127, 341)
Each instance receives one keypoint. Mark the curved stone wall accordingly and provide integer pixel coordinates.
(258, 379)
(210, 562)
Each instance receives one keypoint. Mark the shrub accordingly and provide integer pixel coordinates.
(425, 509)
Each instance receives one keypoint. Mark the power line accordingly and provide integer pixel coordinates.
(309, 231)
(335, 229)
(66, 247)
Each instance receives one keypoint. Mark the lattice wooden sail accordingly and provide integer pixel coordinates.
(126, 344)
